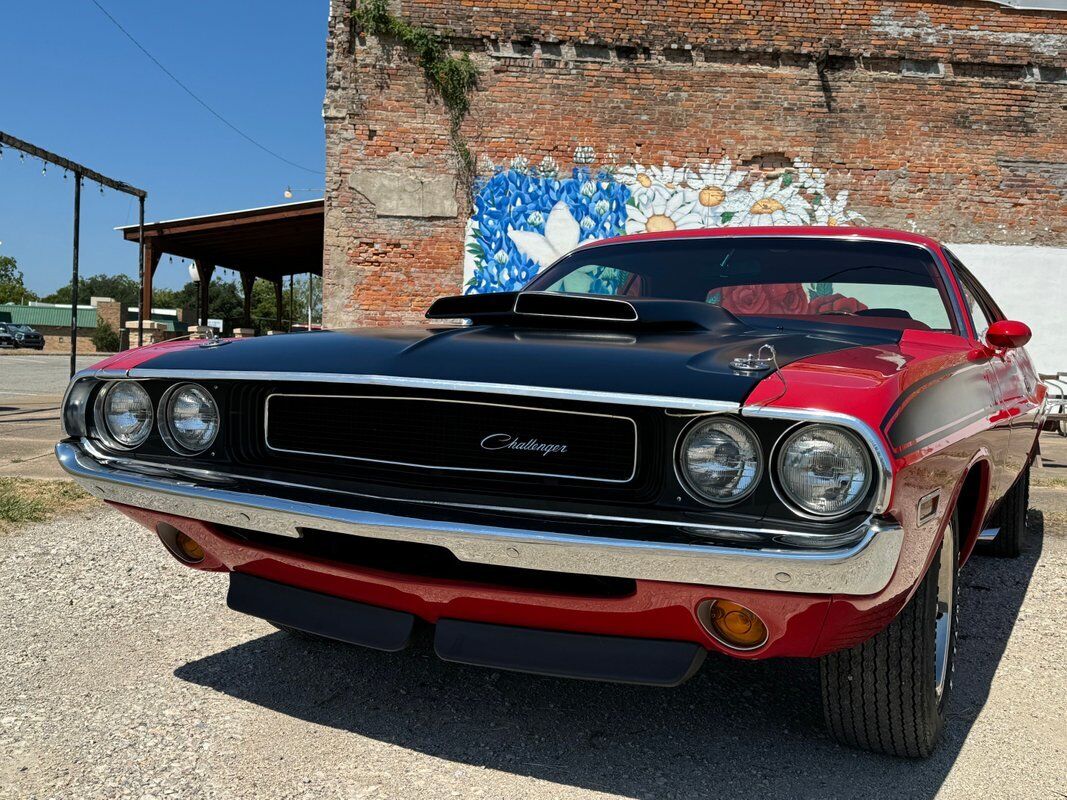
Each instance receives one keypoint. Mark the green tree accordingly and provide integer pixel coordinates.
(118, 287)
(12, 285)
(105, 340)
(294, 304)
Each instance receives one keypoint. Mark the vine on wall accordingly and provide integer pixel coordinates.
(451, 77)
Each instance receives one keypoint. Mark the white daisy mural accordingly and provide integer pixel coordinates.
(770, 203)
(657, 214)
(710, 186)
(833, 210)
(526, 216)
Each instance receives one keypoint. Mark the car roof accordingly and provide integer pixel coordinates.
(815, 231)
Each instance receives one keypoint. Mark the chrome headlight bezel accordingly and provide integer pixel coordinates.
(101, 427)
(164, 419)
(681, 470)
(797, 506)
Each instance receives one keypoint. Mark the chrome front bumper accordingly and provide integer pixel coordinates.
(861, 568)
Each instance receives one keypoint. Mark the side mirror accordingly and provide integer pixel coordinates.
(1006, 334)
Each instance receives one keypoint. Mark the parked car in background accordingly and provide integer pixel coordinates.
(24, 336)
(6, 338)
(762, 442)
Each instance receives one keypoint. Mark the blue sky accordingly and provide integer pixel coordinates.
(70, 82)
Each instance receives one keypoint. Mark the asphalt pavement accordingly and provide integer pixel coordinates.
(31, 388)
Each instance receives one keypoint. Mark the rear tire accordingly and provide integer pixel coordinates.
(889, 694)
(1011, 518)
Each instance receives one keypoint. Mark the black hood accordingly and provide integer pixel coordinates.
(689, 363)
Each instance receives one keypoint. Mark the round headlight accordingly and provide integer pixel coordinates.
(824, 470)
(720, 459)
(125, 409)
(189, 418)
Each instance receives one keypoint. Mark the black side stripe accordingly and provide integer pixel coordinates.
(937, 406)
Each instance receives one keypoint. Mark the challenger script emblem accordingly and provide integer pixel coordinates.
(505, 441)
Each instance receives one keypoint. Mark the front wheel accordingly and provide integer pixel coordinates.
(890, 693)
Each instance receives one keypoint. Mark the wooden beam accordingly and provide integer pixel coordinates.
(223, 222)
(72, 166)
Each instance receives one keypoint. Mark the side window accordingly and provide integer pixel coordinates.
(980, 306)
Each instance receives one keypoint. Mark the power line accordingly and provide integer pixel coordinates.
(193, 95)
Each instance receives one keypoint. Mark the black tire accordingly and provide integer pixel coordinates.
(296, 633)
(882, 695)
(1011, 519)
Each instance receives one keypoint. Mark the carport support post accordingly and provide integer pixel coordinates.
(248, 280)
(278, 307)
(140, 272)
(204, 270)
(151, 261)
(74, 276)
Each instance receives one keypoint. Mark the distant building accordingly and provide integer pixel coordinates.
(939, 117)
(53, 320)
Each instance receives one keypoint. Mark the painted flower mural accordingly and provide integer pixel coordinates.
(526, 216)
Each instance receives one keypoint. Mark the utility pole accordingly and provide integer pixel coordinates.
(74, 275)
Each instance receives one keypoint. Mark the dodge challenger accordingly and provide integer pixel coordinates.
(757, 442)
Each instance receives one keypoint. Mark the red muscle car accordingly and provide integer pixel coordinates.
(760, 442)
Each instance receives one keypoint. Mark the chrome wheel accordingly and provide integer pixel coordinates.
(945, 613)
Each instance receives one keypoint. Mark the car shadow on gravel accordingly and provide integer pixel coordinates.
(735, 730)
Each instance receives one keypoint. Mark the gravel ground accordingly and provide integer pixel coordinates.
(124, 675)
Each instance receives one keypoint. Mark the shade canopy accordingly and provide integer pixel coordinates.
(267, 242)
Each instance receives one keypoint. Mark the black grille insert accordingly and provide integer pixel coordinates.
(459, 435)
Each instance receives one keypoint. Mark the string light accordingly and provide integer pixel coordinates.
(288, 193)
(44, 168)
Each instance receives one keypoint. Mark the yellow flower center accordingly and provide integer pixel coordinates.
(644, 180)
(831, 221)
(659, 222)
(766, 205)
(711, 196)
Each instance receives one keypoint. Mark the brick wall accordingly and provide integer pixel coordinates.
(946, 118)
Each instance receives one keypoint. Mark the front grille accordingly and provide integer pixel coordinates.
(455, 435)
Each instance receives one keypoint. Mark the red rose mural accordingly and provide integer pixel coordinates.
(834, 302)
(788, 298)
(771, 298)
(746, 299)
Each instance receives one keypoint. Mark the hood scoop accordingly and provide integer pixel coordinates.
(581, 311)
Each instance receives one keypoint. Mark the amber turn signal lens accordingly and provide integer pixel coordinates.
(191, 549)
(734, 625)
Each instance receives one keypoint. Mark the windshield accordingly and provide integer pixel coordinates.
(884, 284)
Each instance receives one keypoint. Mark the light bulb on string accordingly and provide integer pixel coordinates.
(44, 168)
(288, 193)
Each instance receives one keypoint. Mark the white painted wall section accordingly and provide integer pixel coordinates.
(1030, 285)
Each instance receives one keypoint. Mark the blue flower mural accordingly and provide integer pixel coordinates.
(525, 220)
(527, 217)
